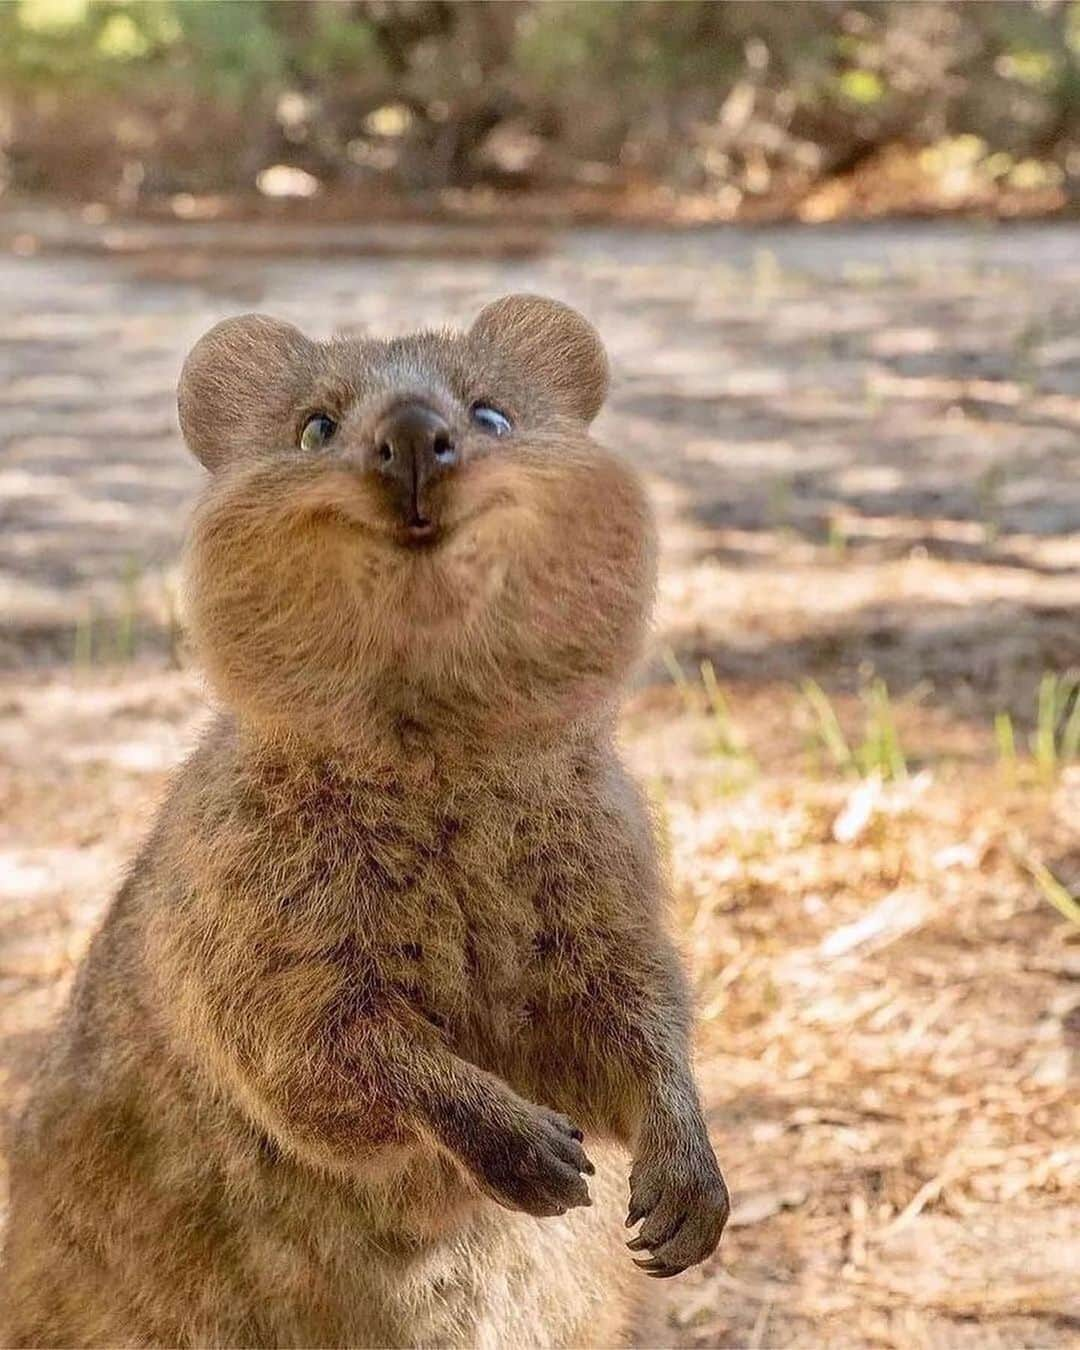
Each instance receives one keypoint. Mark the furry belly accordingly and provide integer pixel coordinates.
(499, 1280)
(415, 1257)
(271, 1254)
(454, 1270)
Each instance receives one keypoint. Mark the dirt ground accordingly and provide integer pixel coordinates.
(863, 445)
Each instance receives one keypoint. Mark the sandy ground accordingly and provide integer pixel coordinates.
(863, 447)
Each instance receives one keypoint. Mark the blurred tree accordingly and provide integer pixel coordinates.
(129, 98)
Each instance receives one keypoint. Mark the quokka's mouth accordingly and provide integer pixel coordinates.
(420, 533)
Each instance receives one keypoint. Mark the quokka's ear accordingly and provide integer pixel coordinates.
(237, 384)
(552, 342)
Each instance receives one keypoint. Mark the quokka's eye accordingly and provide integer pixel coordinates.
(490, 419)
(317, 431)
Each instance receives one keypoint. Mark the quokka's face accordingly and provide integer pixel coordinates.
(421, 527)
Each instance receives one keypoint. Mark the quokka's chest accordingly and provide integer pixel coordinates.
(467, 932)
(469, 914)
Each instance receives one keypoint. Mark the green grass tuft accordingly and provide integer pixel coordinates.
(706, 699)
(1057, 724)
(827, 727)
(878, 752)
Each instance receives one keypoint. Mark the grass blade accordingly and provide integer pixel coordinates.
(1046, 727)
(686, 693)
(828, 726)
(1066, 904)
(1005, 736)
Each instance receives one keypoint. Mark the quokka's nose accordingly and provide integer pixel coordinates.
(413, 445)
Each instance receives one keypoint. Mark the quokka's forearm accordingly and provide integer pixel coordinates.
(379, 1082)
(355, 1084)
(631, 1031)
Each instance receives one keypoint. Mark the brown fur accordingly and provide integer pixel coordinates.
(400, 915)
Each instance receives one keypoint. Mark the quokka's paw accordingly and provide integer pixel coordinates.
(533, 1162)
(682, 1202)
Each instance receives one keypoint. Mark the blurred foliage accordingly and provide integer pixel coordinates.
(124, 99)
